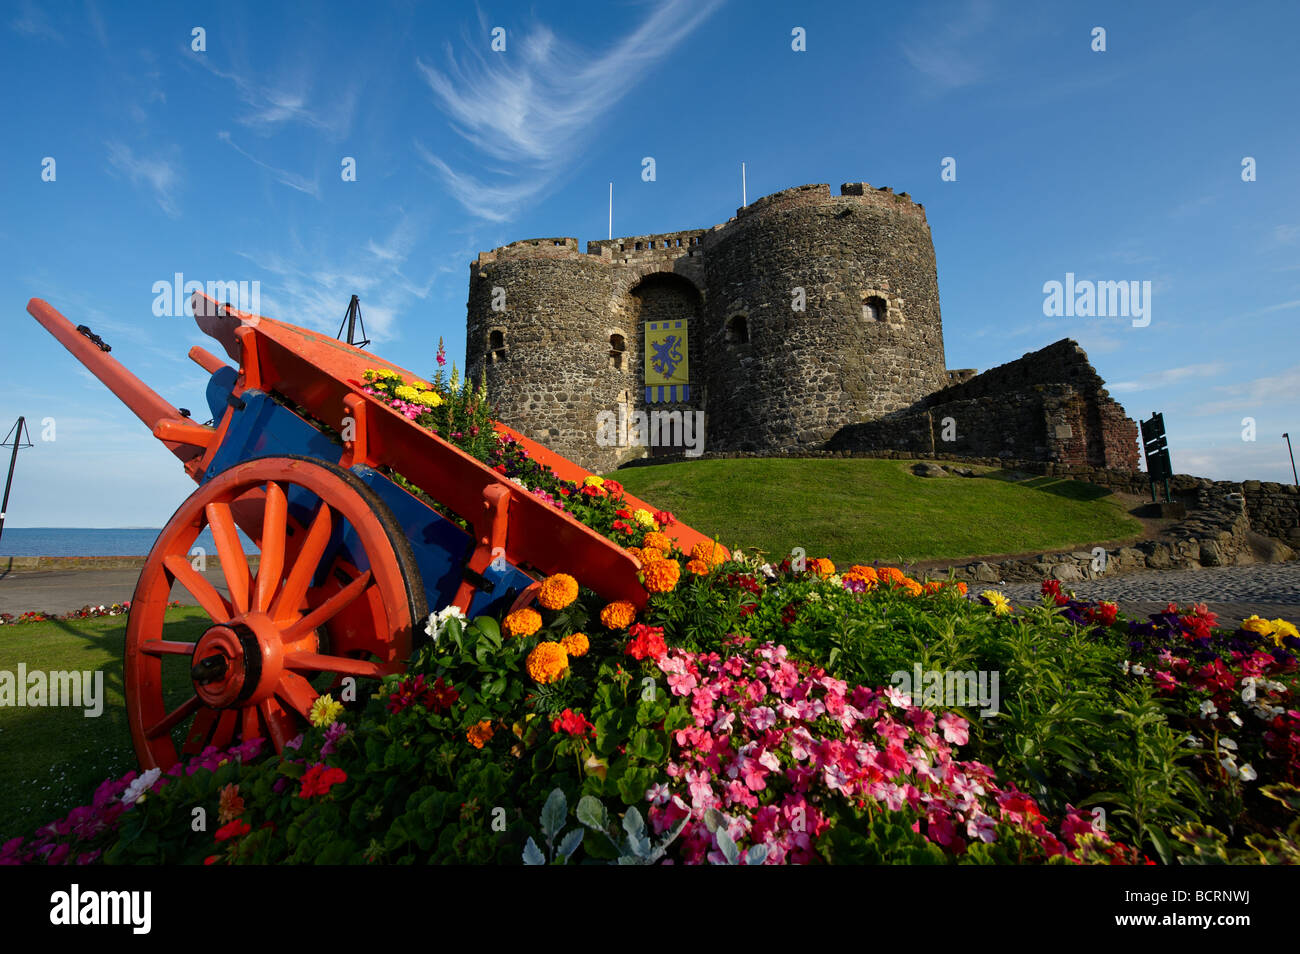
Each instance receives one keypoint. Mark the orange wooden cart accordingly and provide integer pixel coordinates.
(349, 563)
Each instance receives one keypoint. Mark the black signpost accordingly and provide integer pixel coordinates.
(1156, 449)
(16, 432)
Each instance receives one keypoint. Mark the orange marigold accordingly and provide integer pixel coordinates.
(933, 586)
(913, 588)
(866, 572)
(576, 644)
(523, 622)
(961, 587)
(479, 733)
(662, 575)
(651, 555)
(660, 541)
(618, 615)
(891, 574)
(636, 552)
(547, 662)
(822, 567)
(711, 552)
(698, 567)
(558, 591)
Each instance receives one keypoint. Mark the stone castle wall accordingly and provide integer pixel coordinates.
(867, 341)
(1049, 405)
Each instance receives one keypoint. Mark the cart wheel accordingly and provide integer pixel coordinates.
(337, 593)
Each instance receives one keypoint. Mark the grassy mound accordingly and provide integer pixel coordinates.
(866, 510)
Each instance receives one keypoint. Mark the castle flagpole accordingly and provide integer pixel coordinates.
(743, 197)
(611, 210)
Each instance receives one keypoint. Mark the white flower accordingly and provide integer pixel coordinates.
(1234, 718)
(1228, 744)
(768, 571)
(519, 482)
(1208, 709)
(1230, 765)
(1248, 774)
(140, 785)
(437, 624)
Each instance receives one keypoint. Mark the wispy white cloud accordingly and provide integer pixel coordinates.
(291, 179)
(951, 55)
(532, 108)
(158, 174)
(1160, 379)
(290, 101)
(1286, 234)
(1254, 394)
(31, 21)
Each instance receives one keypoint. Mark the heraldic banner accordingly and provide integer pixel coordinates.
(666, 362)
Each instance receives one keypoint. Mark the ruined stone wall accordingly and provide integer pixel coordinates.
(1048, 405)
(1274, 510)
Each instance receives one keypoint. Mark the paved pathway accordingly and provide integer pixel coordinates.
(62, 591)
(1269, 590)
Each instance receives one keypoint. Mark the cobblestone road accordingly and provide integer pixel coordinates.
(1270, 590)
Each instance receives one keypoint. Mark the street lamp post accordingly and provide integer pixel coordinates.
(1292, 455)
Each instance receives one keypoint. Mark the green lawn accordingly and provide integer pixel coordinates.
(861, 510)
(54, 757)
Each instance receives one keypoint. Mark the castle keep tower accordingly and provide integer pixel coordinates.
(804, 313)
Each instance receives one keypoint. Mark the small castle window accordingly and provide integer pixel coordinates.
(638, 246)
(874, 308)
(738, 330)
(617, 350)
(496, 346)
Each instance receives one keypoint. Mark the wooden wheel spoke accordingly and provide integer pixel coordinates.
(234, 564)
(297, 692)
(167, 647)
(318, 662)
(199, 732)
(271, 565)
(225, 732)
(174, 718)
(278, 723)
(327, 610)
(305, 564)
(213, 603)
(249, 727)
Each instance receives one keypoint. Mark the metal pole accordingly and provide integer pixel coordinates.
(744, 194)
(611, 210)
(13, 459)
(1294, 479)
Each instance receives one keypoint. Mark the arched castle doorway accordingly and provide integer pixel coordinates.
(658, 299)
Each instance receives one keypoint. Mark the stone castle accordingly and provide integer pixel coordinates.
(811, 322)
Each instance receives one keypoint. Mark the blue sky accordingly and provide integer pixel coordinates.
(225, 164)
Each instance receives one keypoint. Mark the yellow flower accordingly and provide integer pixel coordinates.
(618, 615)
(547, 662)
(594, 481)
(1001, 605)
(645, 518)
(522, 622)
(1254, 624)
(661, 576)
(479, 733)
(660, 541)
(558, 591)
(324, 711)
(429, 399)
(1283, 629)
(576, 644)
(406, 392)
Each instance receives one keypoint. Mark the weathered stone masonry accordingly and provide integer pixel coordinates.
(558, 335)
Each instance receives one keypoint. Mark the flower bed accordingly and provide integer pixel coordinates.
(752, 714)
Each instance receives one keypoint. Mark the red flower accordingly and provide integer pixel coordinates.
(564, 491)
(590, 490)
(613, 487)
(624, 513)
(500, 468)
(1195, 627)
(319, 780)
(441, 696)
(664, 518)
(622, 526)
(235, 829)
(1103, 614)
(647, 642)
(574, 723)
